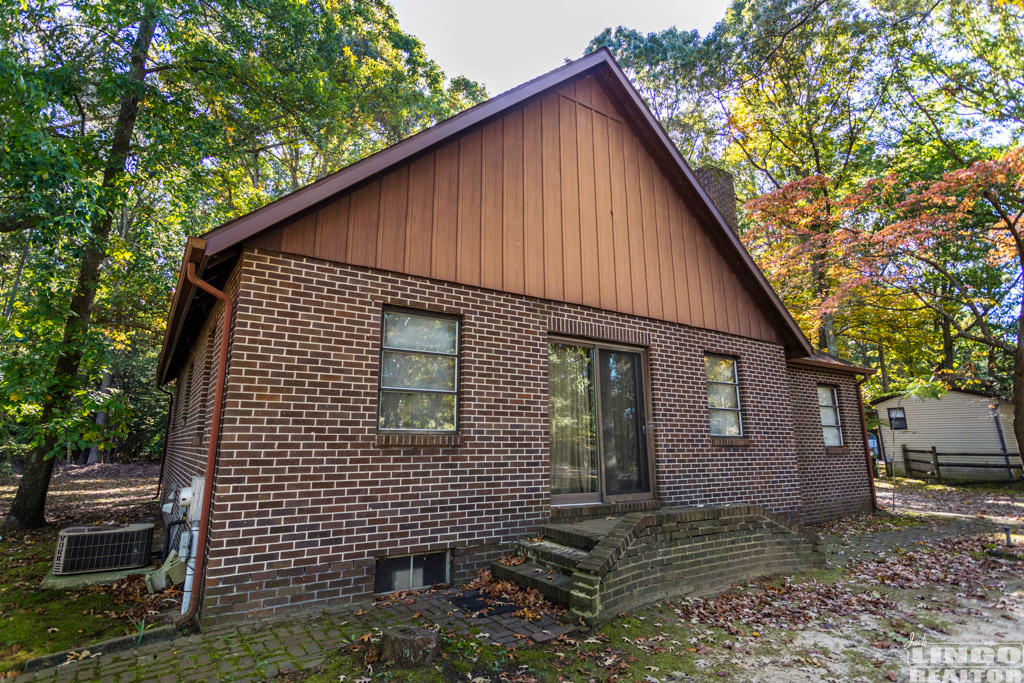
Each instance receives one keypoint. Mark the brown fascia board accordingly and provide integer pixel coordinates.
(230, 234)
(837, 365)
(195, 252)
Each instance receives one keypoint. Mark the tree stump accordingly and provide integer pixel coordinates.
(408, 646)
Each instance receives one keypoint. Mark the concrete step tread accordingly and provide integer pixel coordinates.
(552, 584)
(572, 535)
(548, 553)
(547, 545)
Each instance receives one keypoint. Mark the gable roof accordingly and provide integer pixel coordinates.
(221, 241)
(970, 392)
(825, 361)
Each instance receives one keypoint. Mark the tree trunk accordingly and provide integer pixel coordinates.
(827, 334)
(827, 323)
(947, 344)
(1018, 387)
(12, 297)
(30, 500)
(883, 369)
(101, 418)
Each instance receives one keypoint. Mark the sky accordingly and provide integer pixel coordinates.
(503, 43)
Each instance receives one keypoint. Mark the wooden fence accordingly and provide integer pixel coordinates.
(931, 462)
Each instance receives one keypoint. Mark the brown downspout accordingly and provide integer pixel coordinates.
(867, 450)
(211, 451)
(167, 434)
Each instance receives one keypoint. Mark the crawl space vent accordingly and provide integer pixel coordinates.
(83, 549)
(410, 572)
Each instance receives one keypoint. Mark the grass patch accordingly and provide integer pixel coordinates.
(652, 642)
(36, 622)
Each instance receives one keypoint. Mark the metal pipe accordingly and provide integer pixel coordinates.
(187, 599)
(867, 451)
(167, 535)
(199, 559)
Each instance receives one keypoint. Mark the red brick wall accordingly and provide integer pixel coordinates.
(189, 434)
(833, 481)
(308, 495)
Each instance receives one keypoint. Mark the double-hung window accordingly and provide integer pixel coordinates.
(897, 418)
(419, 373)
(828, 405)
(723, 395)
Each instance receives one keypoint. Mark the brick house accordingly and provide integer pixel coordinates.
(530, 311)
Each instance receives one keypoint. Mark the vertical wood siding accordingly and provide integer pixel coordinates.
(556, 199)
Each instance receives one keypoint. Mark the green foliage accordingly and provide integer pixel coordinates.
(680, 75)
(921, 389)
(240, 103)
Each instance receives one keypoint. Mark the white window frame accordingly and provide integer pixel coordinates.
(834, 407)
(381, 389)
(889, 412)
(736, 387)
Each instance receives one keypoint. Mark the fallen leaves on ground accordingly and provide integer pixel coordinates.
(762, 605)
(958, 561)
(497, 589)
(528, 614)
(867, 524)
(985, 500)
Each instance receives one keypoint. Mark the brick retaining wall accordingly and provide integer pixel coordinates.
(689, 551)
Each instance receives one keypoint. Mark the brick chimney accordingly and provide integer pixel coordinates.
(718, 183)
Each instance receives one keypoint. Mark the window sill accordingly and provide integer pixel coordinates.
(400, 440)
(730, 441)
(836, 450)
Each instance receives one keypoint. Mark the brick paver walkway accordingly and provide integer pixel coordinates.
(256, 652)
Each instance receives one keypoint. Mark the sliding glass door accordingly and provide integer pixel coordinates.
(573, 409)
(598, 423)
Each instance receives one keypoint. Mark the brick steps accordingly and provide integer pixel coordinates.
(552, 559)
(603, 566)
(551, 584)
(572, 535)
(548, 553)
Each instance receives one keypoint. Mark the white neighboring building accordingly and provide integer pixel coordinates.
(958, 422)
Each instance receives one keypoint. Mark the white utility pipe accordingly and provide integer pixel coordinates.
(190, 566)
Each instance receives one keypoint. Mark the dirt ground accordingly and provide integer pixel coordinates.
(935, 559)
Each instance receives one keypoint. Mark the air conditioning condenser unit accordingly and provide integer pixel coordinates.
(83, 549)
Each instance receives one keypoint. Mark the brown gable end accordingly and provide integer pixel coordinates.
(557, 198)
(565, 187)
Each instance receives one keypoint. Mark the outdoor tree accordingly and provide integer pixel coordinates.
(125, 127)
(806, 103)
(931, 246)
(680, 75)
(787, 92)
